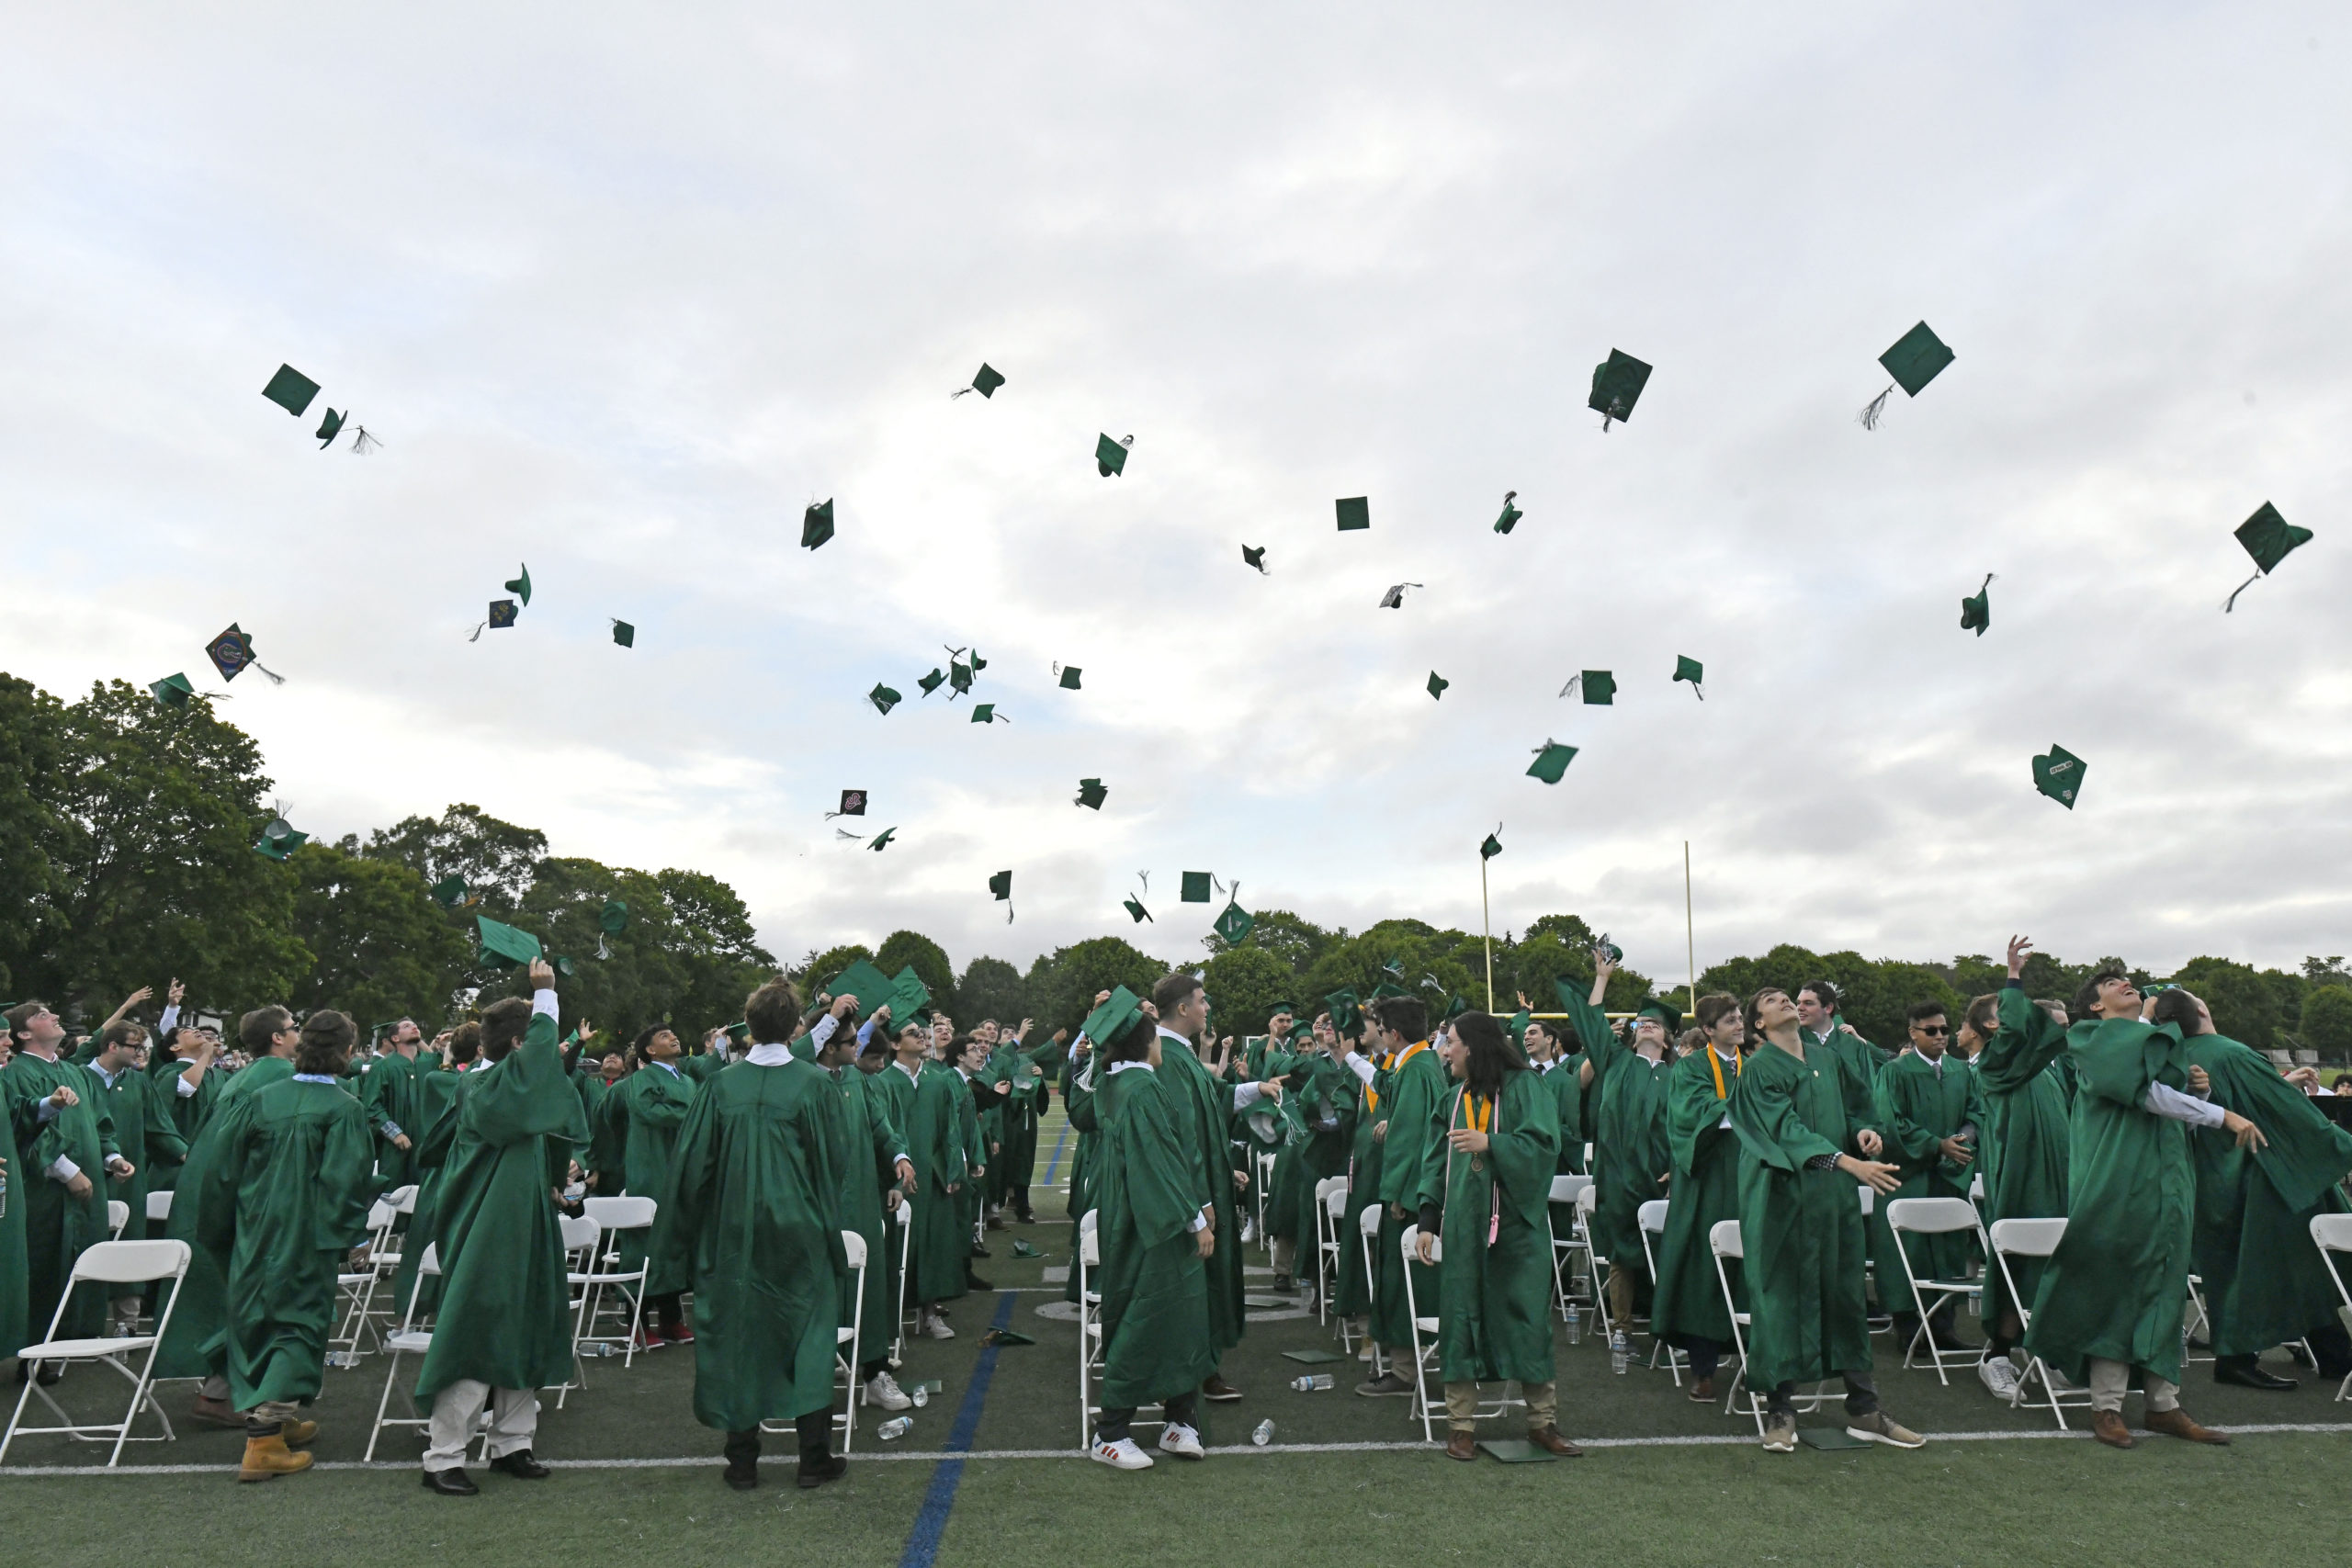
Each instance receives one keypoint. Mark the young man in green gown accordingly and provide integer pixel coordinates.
(2113, 1296)
(1689, 1312)
(877, 1177)
(645, 1111)
(143, 1128)
(923, 1100)
(284, 1195)
(1631, 1159)
(1012, 1070)
(182, 1065)
(65, 1140)
(415, 1295)
(977, 1114)
(389, 1091)
(1932, 1119)
(2026, 1084)
(1804, 1120)
(503, 1330)
(1410, 1132)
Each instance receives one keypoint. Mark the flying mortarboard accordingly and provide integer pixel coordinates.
(929, 682)
(1690, 670)
(862, 981)
(1976, 611)
(1069, 674)
(328, 428)
(978, 663)
(1394, 598)
(853, 804)
(1599, 687)
(1438, 683)
(521, 586)
(502, 946)
(1494, 844)
(1345, 1009)
(1000, 884)
(1255, 554)
(1110, 457)
(959, 677)
(881, 840)
(1234, 922)
(985, 714)
(279, 839)
(1091, 794)
(1552, 760)
(1385, 989)
(1512, 515)
(816, 524)
(1914, 361)
(501, 614)
(232, 651)
(448, 891)
(883, 697)
(985, 383)
(2059, 775)
(1355, 513)
(1617, 383)
(172, 690)
(1196, 887)
(1135, 911)
(291, 391)
(562, 966)
(2268, 538)
(623, 633)
(611, 921)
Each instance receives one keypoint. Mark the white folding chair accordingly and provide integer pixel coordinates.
(1367, 1236)
(1651, 1217)
(1725, 1241)
(1261, 1183)
(158, 1207)
(117, 1216)
(1936, 1216)
(2033, 1238)
(1596, 1265)
(1092, 1345)
(113, 1263)
(1570, 1190)
(2332, 1234)
(1976, 1191)
(850, 1339)
(903, 1216)
(612, 1216)
(582, 1239)
(2194, 1321)
(406, 1340)
(1330, 1213)
(356, 1290)
(1429, 1352)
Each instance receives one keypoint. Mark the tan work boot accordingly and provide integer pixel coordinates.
(298, 1434)
(267, 1459)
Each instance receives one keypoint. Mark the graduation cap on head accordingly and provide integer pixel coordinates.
(883, 697)
(448, 891)
(1091, 794)
(1394, 598)
(1115, 1015)
(985, 383)
(1976, 611)
(1110, 457)
(1914, 361)
(2059, 775)
(985, 714)
(1196, 886)
(1599, 687)
(853, 804)
(172, 690)
(1512, 515)
(279, 839)
(1255, 554)
(1234, 923)
(1135, 911)
(291, 391)
(1000, 884)
(929, 682)
(623, 633)
(1667, 1013)
(1690, 670)
(1069, 674)
(1552, 760)
(2268, 538)
(1617, 383)
(816, 524)
(1438, 683)
(1493, 845)
(232, 651)
(521, 586)
(1355, 513)
(502, 946)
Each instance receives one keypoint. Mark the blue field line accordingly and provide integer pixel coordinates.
(1054, 1161)
(931, 1519)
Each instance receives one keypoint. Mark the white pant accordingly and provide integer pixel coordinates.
(515, 1418)
(2109, 1379)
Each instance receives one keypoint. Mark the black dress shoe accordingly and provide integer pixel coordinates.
(979, 1251)
(974, 1282)
(743, 1477)
(2246, 1374)
(816, 1472)
(450, 1483)
(520, 1465)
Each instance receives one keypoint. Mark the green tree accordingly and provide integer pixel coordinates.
(383, 946)
(1297, 943)
(1556, 948)
(2238, 997)
(1062, 985)
(820, 969)
(900, 949)
(32, 832)
(1430, 963)
(992, 988)
(1243, 985)
(2326, 1022)
(498, 860)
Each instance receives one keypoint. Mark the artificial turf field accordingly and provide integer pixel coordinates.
(1662, 1480)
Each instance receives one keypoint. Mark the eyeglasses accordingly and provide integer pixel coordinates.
(1932, 1028)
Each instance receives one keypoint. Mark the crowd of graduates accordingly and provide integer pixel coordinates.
(865, 1112)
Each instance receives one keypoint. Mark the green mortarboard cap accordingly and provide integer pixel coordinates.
(1254, 555)
(328, 428)
(521, 586)
(882, 840)
(1512, 515)
(1114, 1018)
(1345, 1010)
(2059, 775)
(1001, 885)
(502, 946)
(738, 1031)
(1355, 513)
(1665, 1012)
(1070, 677)
(817, 525)
(2268, 538)
(1617, 384)
(279, 839)
(291, 391)
(1552, 760)
(1916, 358)
(985, 714)
(978, 663)
(959, 676)
(1493, 845)
(448, 891)
(908, 996)
(1196, 887)
(172, 690)
(502, 613)
(230, 652)
(883, 697)
(985, 382)
(931, 681)
(1690, 670)
(1234, 924)
(1110, 457)
(1276, 1009)
(1438, 683)
(1091, 794)
(1976, 611)
(1137, 912)
(1599, 687)
(623, 634)
(1394, 966)
(613, 919)
(863, 981)
(1387, 988)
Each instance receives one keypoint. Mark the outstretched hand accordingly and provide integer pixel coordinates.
(2020, 949)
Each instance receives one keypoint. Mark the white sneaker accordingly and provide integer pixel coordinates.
(2058, 1381)
(1121, 1455)
(885, 1394)
(1181, 1440)
(1249, 1231)
(935, 1327)
(1999, 1375)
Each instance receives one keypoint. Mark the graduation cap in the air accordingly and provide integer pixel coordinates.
(1976, 610)
(1512, 515)
(1069, 674)
(1688, 669)
(985, 383)
(562, 966)
(1135, 911)
(1552, 760)
(853, 804)
(1438, 683)
(1110, 457)
(862, 980)
(1395, 966)
(521, 586)
(279, 839)
(232, 651)
(1599, 687)
(985, 714)
(1345, 1008)
(611, 921)
(1914, 361)
(929, 682)
(501, 616)
(959, 677)
(450, 891)
(623, 633)
(1355, 513)
(1196, 887)
(328, 428)
(502, 946)
(291, 391)
(883, 697)
(172, 690)
(816, 524)
(2059, 775)
(1091, 794)
(1234, 922)
(1617, 383)
(1394, 598)
(1493, 845)
(1255, 554)
(881, 840)
(978, 663)
(2268, 538)
(1000, 884)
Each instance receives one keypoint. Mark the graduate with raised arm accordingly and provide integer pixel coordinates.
(503, 1330)
(1319, 1110)
(284, 1196)
(2265, 1283)
(644, 1111)
(143, 1132)
(2026, 1082)
(1012, 1070)
(2112, 1297)
(1689, 1312)
(1082, 1126)
(1486, 1194)
(877, 1176)
(1410, 1129)
(66, 1137)
(923, 1104)
(389, 1091)
(1631, 1159)
(976, 1114)
(1932, 1118)
(1805, 1139)
(180, 1065)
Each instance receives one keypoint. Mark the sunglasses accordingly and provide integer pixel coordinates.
(1933, 1027)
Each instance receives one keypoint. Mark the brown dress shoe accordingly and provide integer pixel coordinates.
(1548, 1438)
(1217, 1388)
(1461, 1444)
(2107, 1428)
(2175, 1423)
(1702, 1391)
(215, 1413)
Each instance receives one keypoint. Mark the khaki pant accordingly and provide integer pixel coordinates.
(514, 1419)
(2108, 1380)
(1462, 1406)
(1620, 1298)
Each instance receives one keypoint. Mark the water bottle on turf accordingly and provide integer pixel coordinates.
(898, 1427)
(1263, 1434)
(1575, 1324)
(1313, 1381)
(1621, 1355)
(919, 1394)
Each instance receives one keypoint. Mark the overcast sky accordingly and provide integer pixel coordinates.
(622, 289)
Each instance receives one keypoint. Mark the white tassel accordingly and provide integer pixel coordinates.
(1875, 407)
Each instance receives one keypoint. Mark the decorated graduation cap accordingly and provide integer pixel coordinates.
(1069, 674)
(1255, 556)
(1394, 598)
(232, 651)
(1914, 361)
(1688, 669)
(883, 697)
(1598, 686)
(172, 690)
(1355, 513)
(278, 839)
(1000, 885)
(1492, 845)
(862, 981)
(931, 682)
(291, 391)
(1196, 886)
(1091, 794)
(1617, 383)
(985, 714)
(2058, 774)
(1512, 515)
(502, 946)
(985, 383)
(1110, 457)
(1552, 760)
(1135, 911)
(816, 524)
(450, 891)
(502, 615)
(520, 586)
(1976, 610)
(2268, 538)
(1234, 923)
(1115, 1017)
(1438, 683)
(853, 804)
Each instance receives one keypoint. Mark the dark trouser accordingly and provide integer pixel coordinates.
(867, 1371)
(815, 1432)
(1861, 1396)
(1705, 1354)
(1020, 1196)
(668, 1312)
(2330, 1348)
(1182, 1410)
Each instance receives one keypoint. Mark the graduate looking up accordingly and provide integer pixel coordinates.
(924, 1100)
(644, 1113)
(1631, 1159)
(65, 1140)
(2027, 1086)
(1689, 1312)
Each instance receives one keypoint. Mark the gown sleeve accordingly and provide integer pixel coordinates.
(1764, 1114)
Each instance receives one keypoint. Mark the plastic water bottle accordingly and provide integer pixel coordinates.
(1263, 1433)
(1314, 1382)
(898, 1427)
(1575, 1324)
(919, 1394)
(1621, 1355)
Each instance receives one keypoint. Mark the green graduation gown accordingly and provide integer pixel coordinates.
(437, 1095)
(2026, 1081)
(645, 1110)
(2117, 1285)
(1800, 1226)
(1690, 1301)
(753, 1225)
(1497, 1269)
(1154, 1284)
(195, 1343)
(870, 1168)
(389, 1093)
(1565, 1082)
(1411, 1152)
(188, 1113)
(1918, 1107)
(1319, 1103)
(58, 1226)
(2265, 1283)
(1631, 1153)
(144, 1132)
(924, 1111)
(1202, 1110)
(284, 1196)
(1364, 1151)
(13, 1332)
(976, 1128)
(505, 1316)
